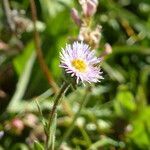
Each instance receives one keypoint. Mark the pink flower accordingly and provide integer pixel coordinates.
(89, 7)
(81, 63)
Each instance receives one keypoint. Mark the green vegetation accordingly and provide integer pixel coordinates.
(115, 113)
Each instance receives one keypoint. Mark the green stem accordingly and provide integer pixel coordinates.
(71, 127)
(53, 131)
(85, 136)
(52, 115)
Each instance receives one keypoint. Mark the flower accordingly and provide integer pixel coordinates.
(75, 16)
(89, 7)
(17, 125)
(1, 134)
(79, 61)
(90, 36)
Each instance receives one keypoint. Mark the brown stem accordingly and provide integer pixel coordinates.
(40, 56)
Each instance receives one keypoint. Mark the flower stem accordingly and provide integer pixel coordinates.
(71, 127)
(53, 131)
(53, 114)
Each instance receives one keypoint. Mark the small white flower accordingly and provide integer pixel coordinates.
(79, 61)
(1, 134)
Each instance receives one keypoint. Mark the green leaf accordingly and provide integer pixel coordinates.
(124, 103)
(20, 61)
(52, 7)
(38, 146)
(104, 142)
(141, 128)
(19, 146)
(22, 83)
(113, 72)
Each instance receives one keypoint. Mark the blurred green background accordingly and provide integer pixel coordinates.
(117, 115)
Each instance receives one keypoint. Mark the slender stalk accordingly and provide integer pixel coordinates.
(8, 15)
(71, 127)
(52, 114)
(53, 132)
(40, 56)
(85, 136)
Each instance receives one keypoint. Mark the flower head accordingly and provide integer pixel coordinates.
(89, 7)
(79, 61)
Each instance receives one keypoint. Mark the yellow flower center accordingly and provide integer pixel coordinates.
(79, 64)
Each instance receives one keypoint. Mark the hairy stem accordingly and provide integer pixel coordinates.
(52, 113)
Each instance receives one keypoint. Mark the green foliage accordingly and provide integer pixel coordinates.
(38, 146)
(20, 60)
(117, 113)
(124, 103)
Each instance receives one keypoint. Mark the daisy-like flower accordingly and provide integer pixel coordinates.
(81, 63)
